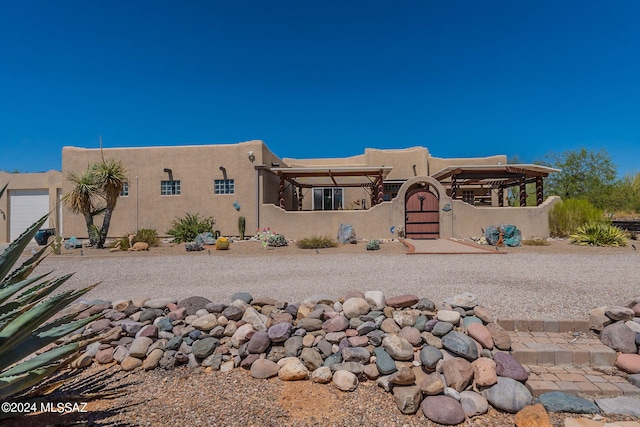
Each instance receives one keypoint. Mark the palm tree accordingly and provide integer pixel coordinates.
(109, 176)
(83, 197)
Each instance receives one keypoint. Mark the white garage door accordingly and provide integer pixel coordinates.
(25, 208)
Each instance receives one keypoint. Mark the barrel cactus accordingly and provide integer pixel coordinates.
(373, 245)
(222, 244)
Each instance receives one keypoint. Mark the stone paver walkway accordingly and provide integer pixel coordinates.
(562, 355)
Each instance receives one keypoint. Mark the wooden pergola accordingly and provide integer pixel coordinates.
(370, 178)
(498, 177)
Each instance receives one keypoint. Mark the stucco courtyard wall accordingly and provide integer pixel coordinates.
(533, 221)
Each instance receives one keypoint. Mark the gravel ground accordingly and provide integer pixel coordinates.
(558, 281)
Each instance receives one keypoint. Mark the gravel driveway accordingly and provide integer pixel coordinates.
(522, 285)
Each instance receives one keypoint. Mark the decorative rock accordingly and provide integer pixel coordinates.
(405, 317)
(336, 324)
(160, 303)
(152, 360)
(623, 405)
(139, 347)
(384, 362)
(130, 363)
(402, 301)
(333, 360)
(598, 319)
(215, 307)
(279, 332)
(452, 392)
(508, 395)
(468, 320)
(104, 356)
(311, 358)
(293, 370)
(501, 338)
(375, 299)
(443, 410)
(120, 353)
(205, 347)
(258, 343)
(431, 384)
(356, 354)
(431, 340)
(473, 403)
(634, 379)
(178, 314)
(82, 361)
(147, 331)
(309, 324)
(371, 371)
(484, 372)
(464, 300)
(557, 401)
(163, 324)
(429, 357)
(448, 316)
(100, 325)
(241, 335)
(193, 304)
(398, 348)
(480, 333)
(355, 368)
(412, 335)
(629, 363)
(532, 416)
(366, 327)
(322, 375)
(233, 313)
(130, 327)
(293, 346)
(206, 322)
(390, 326)
(619, 337)
(619, 313)
(484, 314)
(259, 321)
(458, 373)
(441, 329)
(263, 369)
(508, 366)
(407, 399)
(461, 345)
(354, 307)
(345, 380)
(227, 366)
(425, 304)
(404, 376)
(634, 326)
(242, 296)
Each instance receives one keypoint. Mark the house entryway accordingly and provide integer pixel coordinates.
(422, 214)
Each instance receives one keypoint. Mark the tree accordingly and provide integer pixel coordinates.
(101, 183)
(583, 174)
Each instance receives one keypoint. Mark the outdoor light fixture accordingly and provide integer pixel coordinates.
(222, 168)
(252, 158)
(275, 165)
(167, 170)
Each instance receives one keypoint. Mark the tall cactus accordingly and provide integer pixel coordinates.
(241, 226)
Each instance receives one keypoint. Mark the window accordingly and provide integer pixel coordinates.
(125, 190)
(170, 188)
(327, 199)
(469, 196)
(223, 186)
(391, 190)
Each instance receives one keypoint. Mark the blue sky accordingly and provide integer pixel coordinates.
(320, 79)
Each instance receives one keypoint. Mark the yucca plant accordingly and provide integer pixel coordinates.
(30, 349)
(599, 234)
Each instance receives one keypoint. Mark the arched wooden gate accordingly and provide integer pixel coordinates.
(422, 215)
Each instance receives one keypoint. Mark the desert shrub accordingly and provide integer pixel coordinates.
(277, 240)
(599, 234)
(316, 242)
(147, 235)
(566, 216)
(373, 245)
(187, 228)
(535, 241)
(121, 243)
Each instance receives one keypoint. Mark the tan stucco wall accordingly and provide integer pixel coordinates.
(436, 164)
(533, 221)
(195, 166)
(51, 181)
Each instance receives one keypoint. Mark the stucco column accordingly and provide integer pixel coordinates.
(300, 198)
(380, 190)
(454, 187)
(539, 190)
(523, 192)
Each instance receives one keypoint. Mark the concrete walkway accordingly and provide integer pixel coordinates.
(446, 246)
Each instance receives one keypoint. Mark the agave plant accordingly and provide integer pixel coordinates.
(599, 234)
(30, 332)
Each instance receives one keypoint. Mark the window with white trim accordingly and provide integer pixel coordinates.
(328, 199)
(224, 186)
(170, 188)
(125, 190)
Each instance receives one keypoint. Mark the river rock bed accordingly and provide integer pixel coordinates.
(448, 360)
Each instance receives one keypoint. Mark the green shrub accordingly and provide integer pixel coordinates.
(316, 242)
(186, 229)
(147, 235)
(373, 245)
(599, 234)
(566, 216)
(277, 240)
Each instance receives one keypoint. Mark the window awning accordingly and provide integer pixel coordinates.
(338, 176)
